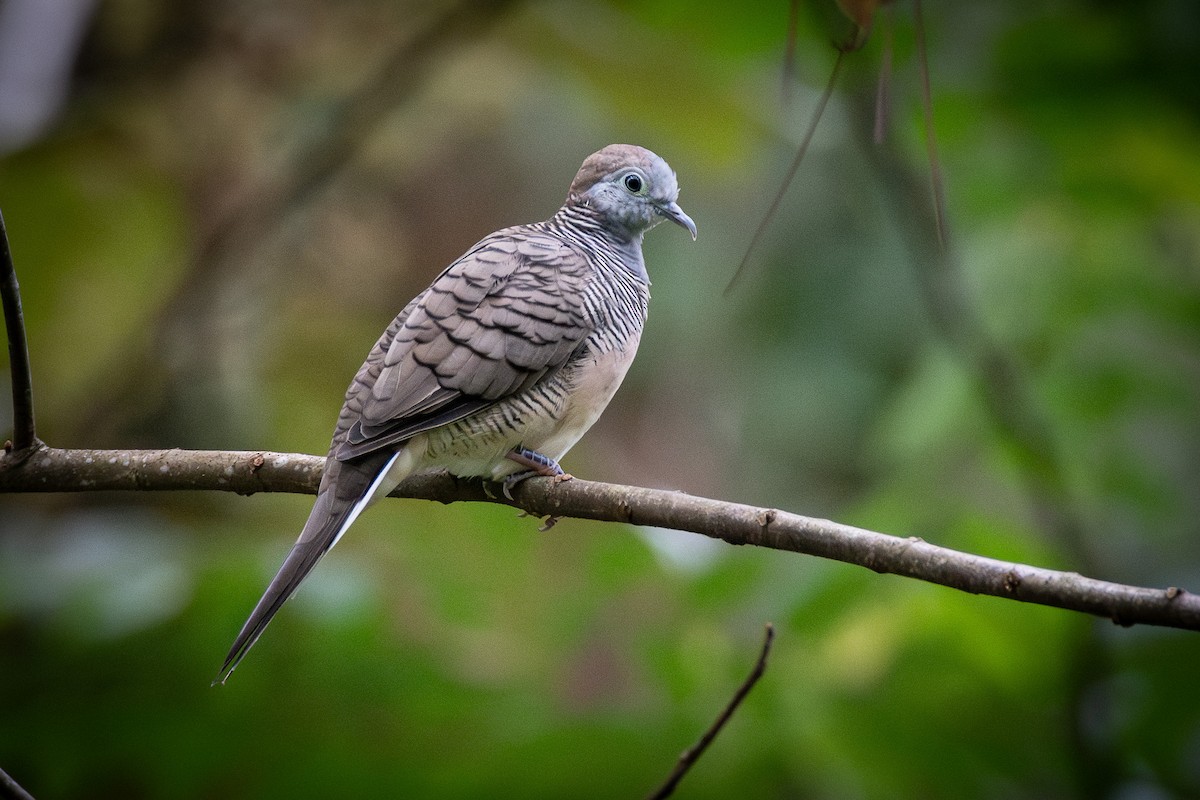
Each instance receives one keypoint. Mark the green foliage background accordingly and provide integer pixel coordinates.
(456, 651)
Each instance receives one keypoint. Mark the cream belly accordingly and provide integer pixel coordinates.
(595, 383)
(478, 445)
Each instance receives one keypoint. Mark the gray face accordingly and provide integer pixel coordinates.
(636, 191)
(632, 197)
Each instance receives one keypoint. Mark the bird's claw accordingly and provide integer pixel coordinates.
(513, 480)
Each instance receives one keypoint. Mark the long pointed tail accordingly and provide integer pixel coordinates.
(331, 517)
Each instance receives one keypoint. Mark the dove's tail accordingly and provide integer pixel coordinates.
(338, 505)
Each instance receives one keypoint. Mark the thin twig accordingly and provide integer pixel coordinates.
(11, 790)
(52, 470)
(791, 173)
(24, 433)
(693, 753)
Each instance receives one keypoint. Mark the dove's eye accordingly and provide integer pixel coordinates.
(633, 183)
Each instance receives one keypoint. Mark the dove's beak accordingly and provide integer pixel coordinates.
(673, 212)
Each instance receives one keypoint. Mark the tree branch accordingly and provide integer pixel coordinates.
(693, 753)
(24, 433)
(53, 470)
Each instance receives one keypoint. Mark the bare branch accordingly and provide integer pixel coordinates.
(11, 790)
(693, 753)
(24, 433)
(53, 470)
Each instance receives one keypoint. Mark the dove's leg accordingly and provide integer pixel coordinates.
(536, 465)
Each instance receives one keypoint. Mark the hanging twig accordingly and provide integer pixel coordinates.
(935, 164)
(789, 54)
(791, 173)
(883, 88)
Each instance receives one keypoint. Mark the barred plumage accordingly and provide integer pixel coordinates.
(500, 366)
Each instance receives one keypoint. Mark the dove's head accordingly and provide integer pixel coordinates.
(630, 189)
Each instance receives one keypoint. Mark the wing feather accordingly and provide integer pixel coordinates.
(502, 317)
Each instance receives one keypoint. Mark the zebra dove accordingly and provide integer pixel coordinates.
(501, 365)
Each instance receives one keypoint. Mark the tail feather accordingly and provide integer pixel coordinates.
(331, 517)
